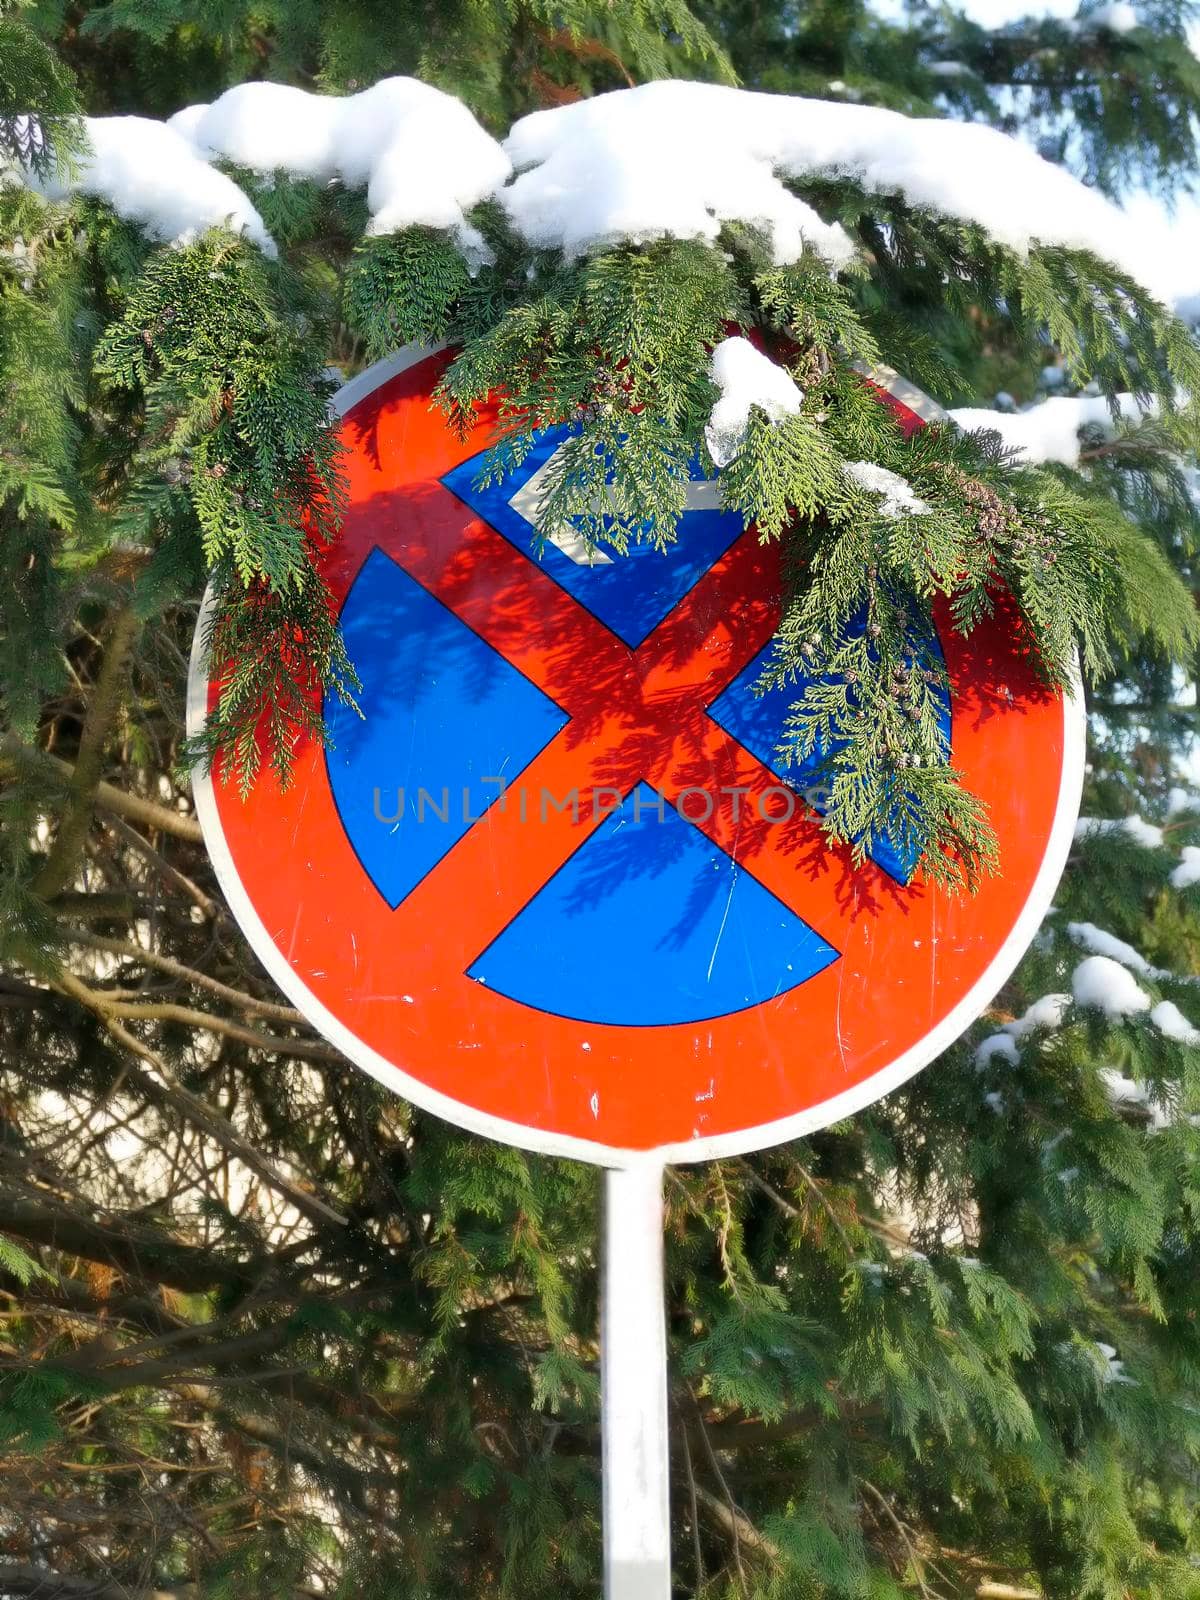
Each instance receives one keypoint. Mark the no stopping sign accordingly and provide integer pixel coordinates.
(555, 884)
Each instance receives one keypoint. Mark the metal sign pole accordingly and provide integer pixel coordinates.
(633, 1387)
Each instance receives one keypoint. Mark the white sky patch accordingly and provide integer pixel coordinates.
(1102, 983)
(675, 159)
(150, 175)
(999, 13)
(989, 13)
(1049, 431)
(746, 378)
(1171, 232)
(1139, 830)
(1118, 17)
(420, 154)
(899, 499)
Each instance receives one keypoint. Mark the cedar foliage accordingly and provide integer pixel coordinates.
(268, 1331)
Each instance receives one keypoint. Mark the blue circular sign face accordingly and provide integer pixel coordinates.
(555, 882)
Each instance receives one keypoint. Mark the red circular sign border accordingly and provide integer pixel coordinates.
(590, 1062)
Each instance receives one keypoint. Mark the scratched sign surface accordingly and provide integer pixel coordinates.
(555, 883)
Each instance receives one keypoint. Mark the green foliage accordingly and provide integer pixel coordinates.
(235, 425)
(587, 345)
(19, 1264)
(400, 289)
(39, 113)
(235, 408)
(40, 355)
(502, 58)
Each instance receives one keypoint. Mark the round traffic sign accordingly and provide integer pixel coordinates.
(555, 884)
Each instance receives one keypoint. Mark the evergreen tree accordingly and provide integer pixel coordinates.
(269, 1331)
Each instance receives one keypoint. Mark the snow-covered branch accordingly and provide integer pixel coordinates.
(663, 160)
(1051, 430)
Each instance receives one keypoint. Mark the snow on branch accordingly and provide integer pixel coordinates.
(677, 159)
(746, 378)
(898, 496)
(1188, 871)
(663, 160)
(1100, 982)
(1050, 430)
(151, 176)
(1102, 943)
(419, 153)
(1172, 1024)
(1148, 834)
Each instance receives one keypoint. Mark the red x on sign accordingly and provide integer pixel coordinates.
(555, 885)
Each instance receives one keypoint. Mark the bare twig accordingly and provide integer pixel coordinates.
(738, 1526)
(133, 807)
(185, 974)
(164, 1088)
(735, 1516)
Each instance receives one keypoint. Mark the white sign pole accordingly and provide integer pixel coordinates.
(633, 1387)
